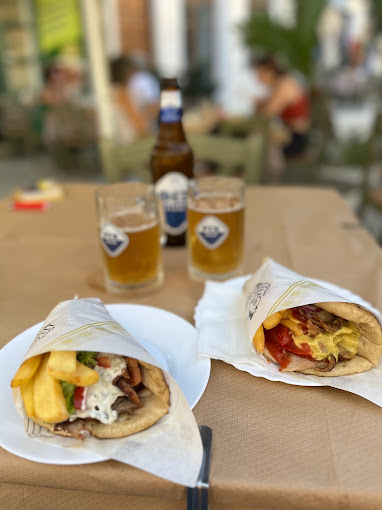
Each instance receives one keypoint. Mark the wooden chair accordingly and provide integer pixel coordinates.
(130, 160)
(229, 154)
(16, 127)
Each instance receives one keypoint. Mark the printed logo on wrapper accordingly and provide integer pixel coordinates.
(211, 232)
(172, 191)
(114, 240)
(255, 297)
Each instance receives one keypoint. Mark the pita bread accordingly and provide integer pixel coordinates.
(155, 400)
(369, 347)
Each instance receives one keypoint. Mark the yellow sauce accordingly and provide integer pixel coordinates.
(327, 343)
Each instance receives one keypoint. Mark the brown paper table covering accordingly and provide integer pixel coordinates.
(275, 446)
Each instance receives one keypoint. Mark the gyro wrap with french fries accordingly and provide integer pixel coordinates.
(305, 327)
(86, 377)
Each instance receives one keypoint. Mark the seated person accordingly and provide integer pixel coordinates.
(143, 88)
(287, 100)
(129, 123)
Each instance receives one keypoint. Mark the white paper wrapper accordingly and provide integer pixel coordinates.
(222, 318)
(171, 448)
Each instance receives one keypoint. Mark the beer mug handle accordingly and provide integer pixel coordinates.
(162, 233)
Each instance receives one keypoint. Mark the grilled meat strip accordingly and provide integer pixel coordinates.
(76, 428)
(124, 405)
(134, 371)
(317, 321)
(129, 391)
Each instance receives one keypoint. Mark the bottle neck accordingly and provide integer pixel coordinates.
(170, 116)
(171, 132)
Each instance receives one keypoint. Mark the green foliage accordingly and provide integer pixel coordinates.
(197, 83)
(68, 390)
(87, 358)
(295, 45)
(376, 9)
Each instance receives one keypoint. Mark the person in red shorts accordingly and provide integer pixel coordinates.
(287, 100)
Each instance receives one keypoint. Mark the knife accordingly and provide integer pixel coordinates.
(197, 497)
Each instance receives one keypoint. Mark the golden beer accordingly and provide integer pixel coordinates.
(215, 234)
(140, 261)
(130, 234)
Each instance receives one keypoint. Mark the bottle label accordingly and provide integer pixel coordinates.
(172, 191)
(170, 106)
(211, 232)
(114, 240)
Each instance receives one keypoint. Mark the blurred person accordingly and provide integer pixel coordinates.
(54, 90)
(374, 59)
(129, 123)
(351, 79)
(289, 101)
(143, 88)
(52, 95)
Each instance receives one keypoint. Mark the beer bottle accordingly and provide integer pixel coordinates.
(172, 164)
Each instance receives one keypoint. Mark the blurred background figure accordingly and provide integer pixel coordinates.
(143, 88)
(288, 100)
(129, 123)
(54, 89)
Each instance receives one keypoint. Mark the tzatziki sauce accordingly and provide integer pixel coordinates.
(102, 395)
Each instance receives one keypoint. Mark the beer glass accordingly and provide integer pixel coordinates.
(130, 236)
(215, 209)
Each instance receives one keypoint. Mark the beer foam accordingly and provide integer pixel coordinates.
(216, 203)
(130, 229)
(134, 222)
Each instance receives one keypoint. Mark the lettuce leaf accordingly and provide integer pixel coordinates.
(87, 358)
(68, 390)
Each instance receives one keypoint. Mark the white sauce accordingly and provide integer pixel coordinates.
(102, 395)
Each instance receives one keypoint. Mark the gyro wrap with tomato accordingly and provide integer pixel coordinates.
(308, 328)
(72, 387)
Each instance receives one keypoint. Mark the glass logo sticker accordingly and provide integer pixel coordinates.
(211, 232)
(114, 240)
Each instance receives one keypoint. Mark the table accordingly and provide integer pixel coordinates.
(275, 446)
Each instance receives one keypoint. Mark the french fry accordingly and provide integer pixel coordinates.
(26, 371)
(284, 314)
(83, 376)
(26, 390)
(292, 326)
(64, 361)
(259, 340)
(48, 397)
(272, 321)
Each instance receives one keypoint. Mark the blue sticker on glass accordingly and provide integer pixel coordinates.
(211, 232)
(114, 240)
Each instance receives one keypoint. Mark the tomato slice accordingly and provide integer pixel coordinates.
(104, 361)
(279, 343)
(300, 317)
(79, 395)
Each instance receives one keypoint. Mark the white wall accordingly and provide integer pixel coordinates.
(168, 21)
(236, 83)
